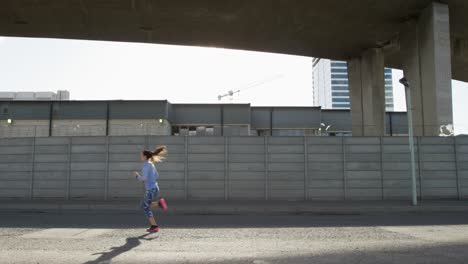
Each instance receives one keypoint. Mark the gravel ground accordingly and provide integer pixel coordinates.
(118, 237)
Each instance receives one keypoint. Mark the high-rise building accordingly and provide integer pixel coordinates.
(60, 95)
(331, 85)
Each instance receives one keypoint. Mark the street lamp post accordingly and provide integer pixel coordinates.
(409, 108)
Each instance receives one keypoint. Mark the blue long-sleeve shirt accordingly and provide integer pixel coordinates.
(149, 175)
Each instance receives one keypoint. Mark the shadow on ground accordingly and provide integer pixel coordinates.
(130, 243)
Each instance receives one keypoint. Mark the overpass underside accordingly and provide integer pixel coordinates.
(425, 49)
(427, 39)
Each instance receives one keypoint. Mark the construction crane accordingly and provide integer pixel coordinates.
(231, 93)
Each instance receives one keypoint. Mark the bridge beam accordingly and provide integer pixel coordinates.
(426, 52)
(367, 93)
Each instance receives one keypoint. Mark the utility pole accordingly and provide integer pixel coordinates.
(409, 108)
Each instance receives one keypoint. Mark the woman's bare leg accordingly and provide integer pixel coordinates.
(152, 221)
(154, 205)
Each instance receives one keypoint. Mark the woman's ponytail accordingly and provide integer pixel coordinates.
(159, 154)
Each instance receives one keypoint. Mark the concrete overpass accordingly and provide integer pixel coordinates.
(428, 39)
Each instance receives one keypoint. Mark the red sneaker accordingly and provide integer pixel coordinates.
(153, 229)
(162, 204)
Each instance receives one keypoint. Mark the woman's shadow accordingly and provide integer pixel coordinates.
(131, 243)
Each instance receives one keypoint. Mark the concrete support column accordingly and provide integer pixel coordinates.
(355, 96)
(367, 93)
(426, 52)
(409, 43)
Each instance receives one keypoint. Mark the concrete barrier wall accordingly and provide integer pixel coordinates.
(124, 127)
(246, 170)
(88, 168)
(325, 168)
(16, 167)
(51, 167)
(235, 168)
(461, 150)
(63, 128)
(286, 168)
(396, 167)
(24, 128)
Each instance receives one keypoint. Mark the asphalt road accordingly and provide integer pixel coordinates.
(118, 237)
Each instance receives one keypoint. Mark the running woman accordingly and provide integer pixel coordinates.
(150, 176)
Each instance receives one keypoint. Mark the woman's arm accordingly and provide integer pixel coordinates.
(144, 173)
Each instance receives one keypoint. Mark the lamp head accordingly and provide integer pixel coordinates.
(405, 82)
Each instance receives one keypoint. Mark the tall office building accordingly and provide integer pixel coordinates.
(331, 85)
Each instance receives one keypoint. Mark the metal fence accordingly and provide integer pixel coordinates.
(235, 168)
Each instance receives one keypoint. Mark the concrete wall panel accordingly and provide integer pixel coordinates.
(246, 141)
(325, 157)
(88, 140)
(324, 140)
(325, 175)
(16, 142)
(362, 149)
(364, 166)
(205, 175)
(286, 149)
(256, 158)
(7, 150)
(49, 193)
(363, 175)
(203, 194)
(286, 167)
(362, 140)
(15, 158)
(204, 157)
(326, 194)
(358, 157)
(126, 148)
(247, 175)
(48, 141)
(89, 157)
(10, 193)
(296, 158)
(164, 140)
(285, 141)
(206, 149)
(233, 168)
(248, 166)
(327, 184)
(325, 166)
(88, 149)
(437, 149)
(88, 166)
(325, 149)
(5, 167)
(61, 149)
(50, 158)
(364, 194)
(127, 140)
(206, 140)
(251, 149)
(286, 176)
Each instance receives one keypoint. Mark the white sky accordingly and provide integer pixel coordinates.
(93, 70)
